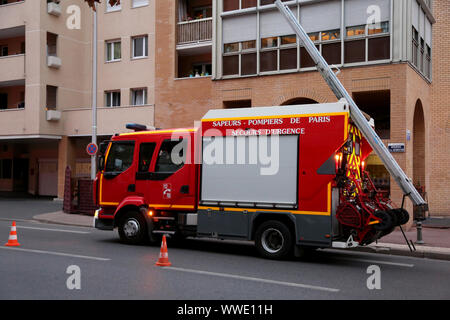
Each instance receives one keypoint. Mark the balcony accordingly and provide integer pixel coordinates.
(110, 120)
(12, 67)
(12, 13)
(194, 31)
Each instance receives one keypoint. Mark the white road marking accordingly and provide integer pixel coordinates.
(232, 276)
(55, 230)
(407, 265)
(55, 253)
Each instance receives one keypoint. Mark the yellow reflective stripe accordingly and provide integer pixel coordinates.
(157, 132)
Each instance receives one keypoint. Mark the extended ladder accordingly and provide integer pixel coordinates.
(339, 90)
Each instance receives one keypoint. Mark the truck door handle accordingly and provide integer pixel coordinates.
(110, 175)
(132, 188)
(184, 190)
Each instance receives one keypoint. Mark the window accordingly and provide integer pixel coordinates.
(52, 44)
(140, 47)
(112, 99)
(428, 62)
(202, 12)
(3, 101)
(21, 104)
(330, 35)
(248, 62)
(278, 53)
(332, 52)
(230, 65)
(355, 51)
(120, 156)
(268, 61)
(379, 48)
(356, 31)
(139, 3)
(265, 2)
(113, 51)
(172, 156)
(145, 156)
(116, 7)
(3, 51)
(378, 28)
(230, 5)
(231, 47)
(52, 93)
(248, 3)
(271, 42)
(366, 43)
(240, 58)
(6, 169)
(421, 54)
(202, 69)
(138, 97)
(328, 43)
(415, 46)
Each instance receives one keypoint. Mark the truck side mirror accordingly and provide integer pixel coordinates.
(101, 162)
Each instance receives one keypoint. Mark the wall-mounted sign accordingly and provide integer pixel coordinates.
(396, 147)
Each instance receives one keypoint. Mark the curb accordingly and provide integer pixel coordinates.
(403, 250)
(64, 219)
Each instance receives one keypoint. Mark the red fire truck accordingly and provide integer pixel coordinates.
(290, 178)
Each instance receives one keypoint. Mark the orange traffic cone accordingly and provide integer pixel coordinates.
(12, 241)
(163, 260)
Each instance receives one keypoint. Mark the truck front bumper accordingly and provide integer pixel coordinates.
(103, 224)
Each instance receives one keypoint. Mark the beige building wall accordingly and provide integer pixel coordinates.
(65, 137)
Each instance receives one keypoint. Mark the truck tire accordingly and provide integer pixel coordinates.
(132, 228)
(274, 240)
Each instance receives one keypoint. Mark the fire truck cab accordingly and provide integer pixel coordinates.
(289, 178)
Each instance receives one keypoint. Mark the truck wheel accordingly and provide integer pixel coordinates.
(132, 228)
(274, 240)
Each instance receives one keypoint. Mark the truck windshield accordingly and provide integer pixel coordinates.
(120, 156)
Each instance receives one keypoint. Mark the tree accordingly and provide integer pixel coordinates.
(111, 3)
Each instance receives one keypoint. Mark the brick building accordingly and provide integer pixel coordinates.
(166, 62)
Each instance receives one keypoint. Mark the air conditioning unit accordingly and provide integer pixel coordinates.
(53, 62)
(54, 9)
(53, 115)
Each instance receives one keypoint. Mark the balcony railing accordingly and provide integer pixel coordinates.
(194, 31)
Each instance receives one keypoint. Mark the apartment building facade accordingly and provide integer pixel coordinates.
(166, 62)
(383, 51)
(46, 85)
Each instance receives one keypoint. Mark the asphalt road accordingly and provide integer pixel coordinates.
(200, 269)
(15, 207)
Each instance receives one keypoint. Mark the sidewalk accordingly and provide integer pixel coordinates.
(435, 233)
(60, 217)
